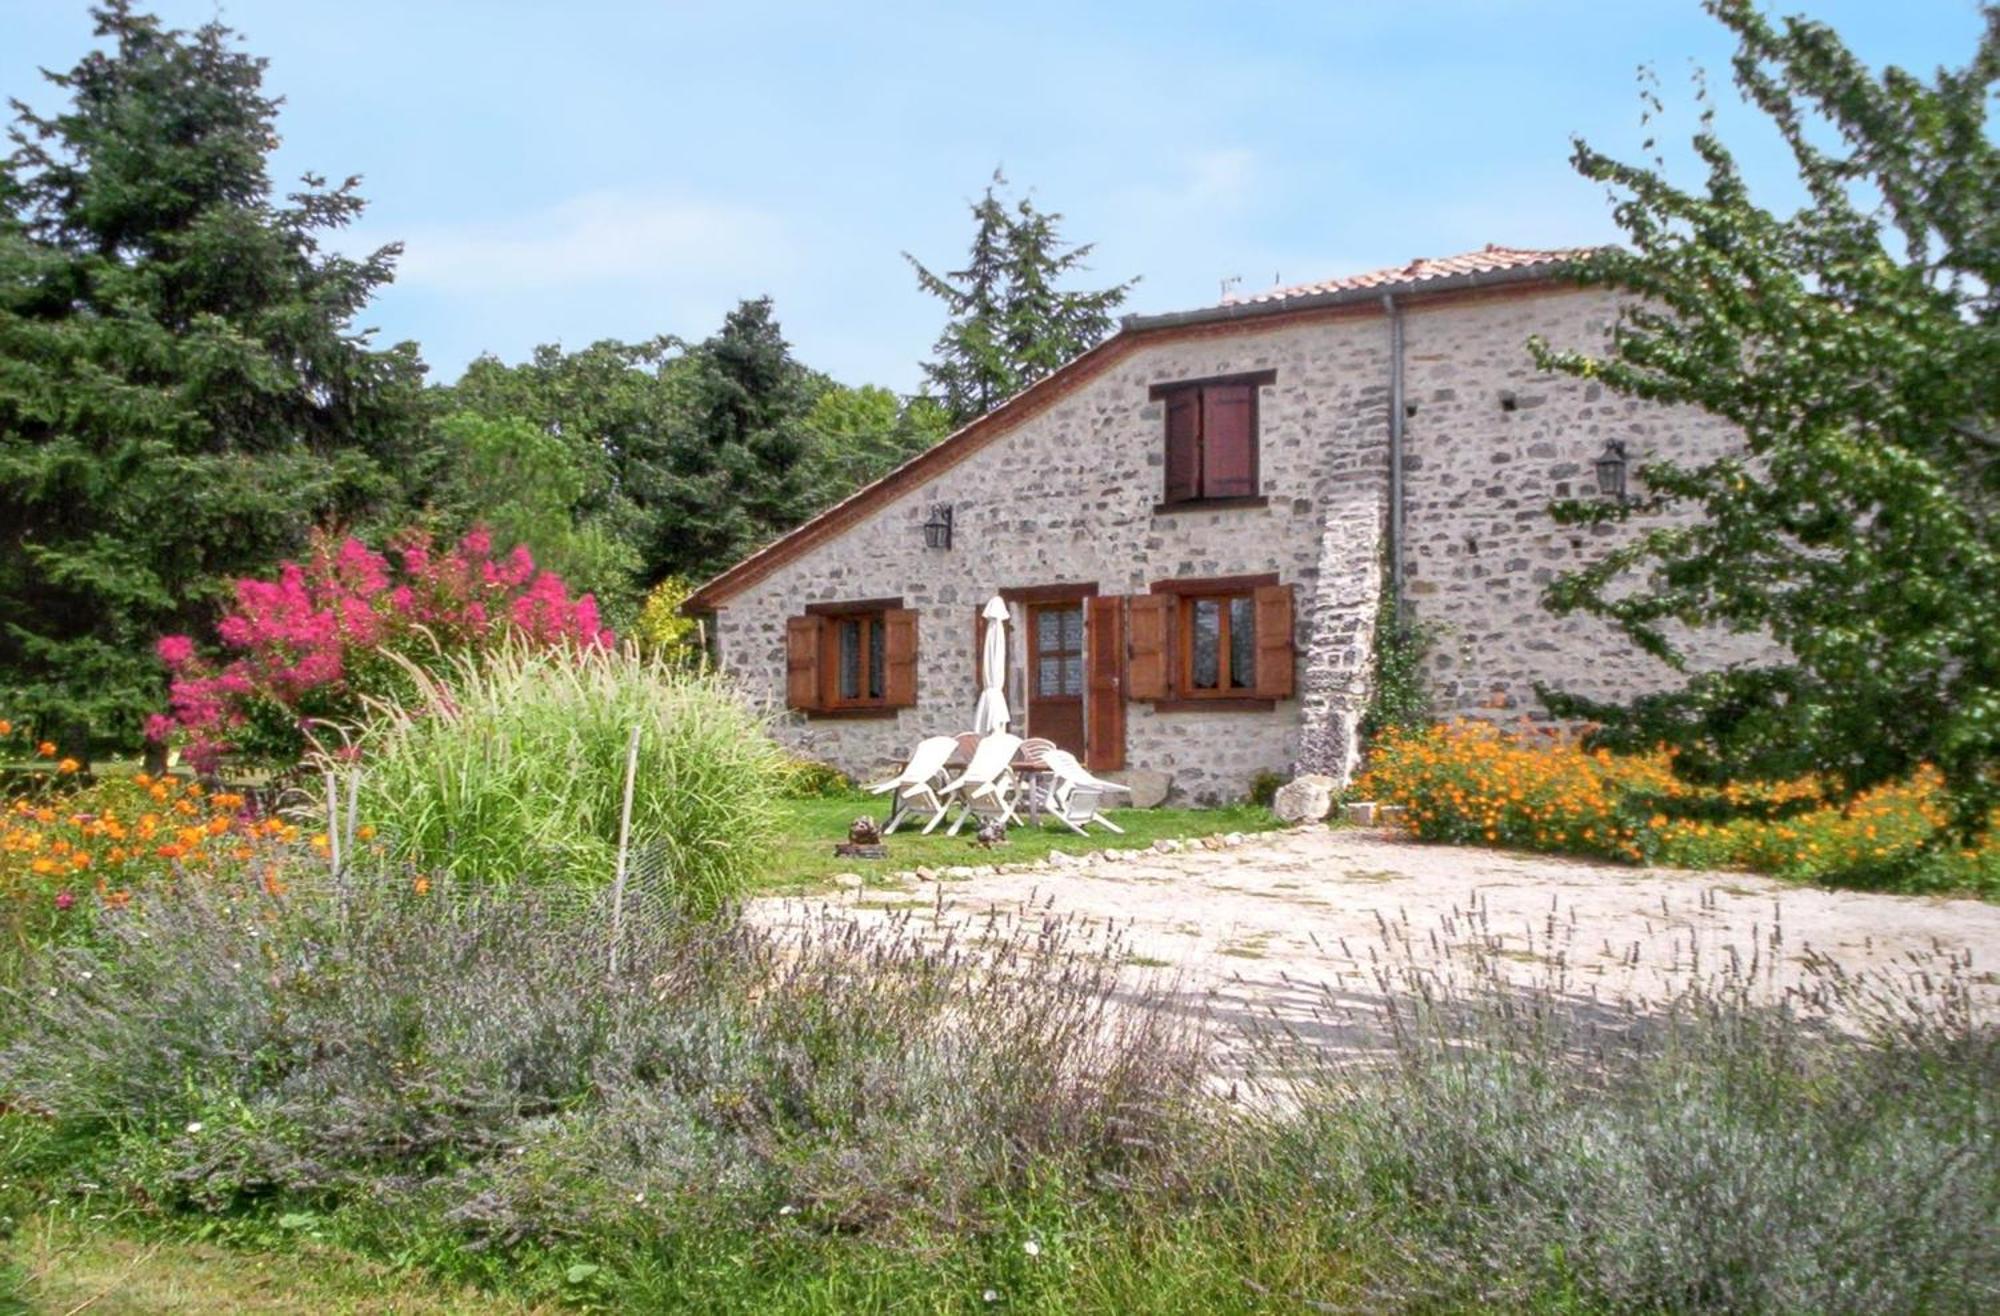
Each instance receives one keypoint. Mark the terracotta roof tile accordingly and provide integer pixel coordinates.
(1486, 260)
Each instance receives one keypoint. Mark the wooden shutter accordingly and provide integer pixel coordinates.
(1149, 635)
(1274, 641)
(1104, 702)
(1228, 441)
(899, 683)
(802, 687)
(1183, 446)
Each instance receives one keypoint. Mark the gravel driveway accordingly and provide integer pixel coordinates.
(1295, 925)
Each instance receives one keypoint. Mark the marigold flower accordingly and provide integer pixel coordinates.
(68, 766)
(47, 749)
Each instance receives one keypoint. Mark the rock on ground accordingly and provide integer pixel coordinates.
(1307, 798)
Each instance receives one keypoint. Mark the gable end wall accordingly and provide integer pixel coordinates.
(1067, 496)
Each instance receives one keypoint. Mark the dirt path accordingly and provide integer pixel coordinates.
(1298, 924)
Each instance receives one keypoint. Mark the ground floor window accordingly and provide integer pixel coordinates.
(855, 658)
(1219, 644)
(862, 641)
(1216, 643)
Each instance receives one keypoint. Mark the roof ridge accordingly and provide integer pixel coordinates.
(1485, 260)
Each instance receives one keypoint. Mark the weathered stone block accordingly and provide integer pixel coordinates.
(1149, 788)
(1305, 799)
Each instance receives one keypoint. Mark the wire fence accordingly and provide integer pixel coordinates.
(638, 898)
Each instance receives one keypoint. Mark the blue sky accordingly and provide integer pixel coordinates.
(564, 172)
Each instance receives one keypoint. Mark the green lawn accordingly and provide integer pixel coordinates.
(804, 858)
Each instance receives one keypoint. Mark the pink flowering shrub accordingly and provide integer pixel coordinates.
(313, 645)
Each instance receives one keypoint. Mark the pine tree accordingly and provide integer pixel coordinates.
(736, 475)
(1010, 322)
(182, 395)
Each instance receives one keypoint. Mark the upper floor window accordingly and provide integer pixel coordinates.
(1212, 437)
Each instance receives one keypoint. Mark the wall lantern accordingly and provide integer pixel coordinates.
(1611, 472)
(937, 530)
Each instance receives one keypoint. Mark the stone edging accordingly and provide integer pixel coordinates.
(1054, 860)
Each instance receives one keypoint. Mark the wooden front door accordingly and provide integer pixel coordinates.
(1055, 673)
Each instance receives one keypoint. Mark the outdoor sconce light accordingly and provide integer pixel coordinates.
(1611, 472)
(937, 530)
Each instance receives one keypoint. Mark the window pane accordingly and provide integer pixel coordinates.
(850, 658)
(878, 656)
(1207, 627)
(1073, 674)
(1243, 641)
(1048, 676)
(1059, 630)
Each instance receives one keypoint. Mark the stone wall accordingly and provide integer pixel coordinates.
(1492, 442)
(1068, 496)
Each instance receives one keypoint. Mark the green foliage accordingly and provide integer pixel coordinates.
(738, 1123)
(182, 393)
(663, 631)
(811, 779)
(741, 476)
(468, 1062)
(803, 857)
(690, 457)
(1399, 698)
(1264, 788)
(523, 777)
(1856, 345)
(1010, 323)
(527, 486)
(861, 434)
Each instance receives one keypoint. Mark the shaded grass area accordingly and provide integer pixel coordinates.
(1052, 1253)
(803, 858)
(57, 1265)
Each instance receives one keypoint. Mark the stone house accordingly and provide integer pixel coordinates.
(1195, 522)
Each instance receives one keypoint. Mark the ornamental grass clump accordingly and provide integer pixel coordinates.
(511, 766)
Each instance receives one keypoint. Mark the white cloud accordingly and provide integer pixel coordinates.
(602, 237)
(1203, 184)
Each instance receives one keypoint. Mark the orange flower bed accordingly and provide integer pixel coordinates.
(1472, 783)
(62, 857)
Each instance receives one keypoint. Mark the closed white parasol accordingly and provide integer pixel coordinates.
(991, 715)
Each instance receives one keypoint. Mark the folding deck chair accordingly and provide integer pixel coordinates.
(917, 785)
(1076, 798)
(987, 785)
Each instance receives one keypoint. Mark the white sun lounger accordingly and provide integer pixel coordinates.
(987, 785)
(917, 785)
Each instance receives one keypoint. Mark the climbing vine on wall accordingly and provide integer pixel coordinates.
(1399, 698)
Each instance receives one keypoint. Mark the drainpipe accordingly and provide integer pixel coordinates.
(1395, 314)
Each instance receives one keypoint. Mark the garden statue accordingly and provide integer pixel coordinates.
(864, 841)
